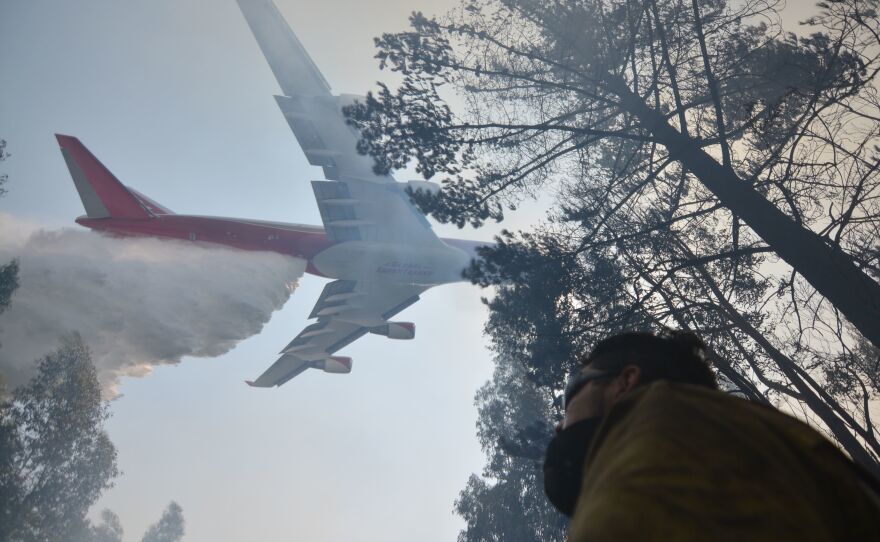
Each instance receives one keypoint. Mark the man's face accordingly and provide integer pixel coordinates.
(599, 395)
(590, 394)
(589, 402)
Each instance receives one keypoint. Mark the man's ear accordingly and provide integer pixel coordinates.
(625, 382)
(630, 377)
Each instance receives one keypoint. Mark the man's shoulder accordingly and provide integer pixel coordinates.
(663, 396)
(665, 390)
(663, 404)
(665, 414)
(686, 451)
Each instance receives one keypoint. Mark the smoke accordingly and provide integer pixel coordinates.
(136, 302)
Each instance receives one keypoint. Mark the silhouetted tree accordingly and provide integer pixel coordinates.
(8, 272)
(507, 503)
(3, 177)
(169, 528)
(109, 530)
(8, 283)
(708, 172)
(706, 88)
(55, 458)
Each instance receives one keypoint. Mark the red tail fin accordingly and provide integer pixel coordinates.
(101, 193)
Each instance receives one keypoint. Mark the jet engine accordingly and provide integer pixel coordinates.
(334, 364)
(427, 186)
(396, 330)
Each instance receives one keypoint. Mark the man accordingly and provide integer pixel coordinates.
(650, 450)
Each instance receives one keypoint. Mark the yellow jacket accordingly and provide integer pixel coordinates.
(675, 462)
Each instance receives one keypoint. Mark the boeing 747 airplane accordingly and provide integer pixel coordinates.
(375, 244)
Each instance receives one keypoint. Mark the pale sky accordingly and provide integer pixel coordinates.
(175, 98)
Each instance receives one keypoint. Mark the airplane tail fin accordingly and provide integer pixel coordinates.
(101, 193)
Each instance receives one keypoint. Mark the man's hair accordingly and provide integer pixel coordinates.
(672, 355)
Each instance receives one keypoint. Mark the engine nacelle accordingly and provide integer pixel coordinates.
(334, 364)
(427, 186)
(396, 330)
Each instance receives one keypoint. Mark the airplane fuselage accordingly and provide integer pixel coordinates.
(352, 260)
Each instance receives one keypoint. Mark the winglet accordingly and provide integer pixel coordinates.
(250, 383)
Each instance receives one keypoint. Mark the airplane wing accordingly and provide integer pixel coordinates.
(313, 112)
(355, 203)
(346, 311)
(293, 68)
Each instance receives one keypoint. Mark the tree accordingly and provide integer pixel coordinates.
(8, 272)
(169, 528)
(3, 156)
(728, 102)
(508, 503)
(8, 283)
(55, 457)
(674, 136)
(109, 530)
(536, 334)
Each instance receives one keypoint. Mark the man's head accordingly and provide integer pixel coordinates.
(623, 362)
(614, 368)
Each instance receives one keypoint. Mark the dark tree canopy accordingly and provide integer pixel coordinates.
(55, 458)
(507, 503)
(702, 90)
(707, 170)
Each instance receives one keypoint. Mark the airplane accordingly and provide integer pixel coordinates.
(378, 248)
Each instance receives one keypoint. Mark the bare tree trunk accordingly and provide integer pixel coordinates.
(827, 268)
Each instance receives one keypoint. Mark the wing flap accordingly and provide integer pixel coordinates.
(330, 297)
(355, 203)
(325, 138)
(365, 211)
(380, 210)
(308, 135)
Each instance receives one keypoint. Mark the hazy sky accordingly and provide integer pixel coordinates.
(175, 98)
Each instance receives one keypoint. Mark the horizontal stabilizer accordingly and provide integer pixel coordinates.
(102, 194)
(149, 204)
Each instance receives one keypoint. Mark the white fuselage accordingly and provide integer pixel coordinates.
(436, 264)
